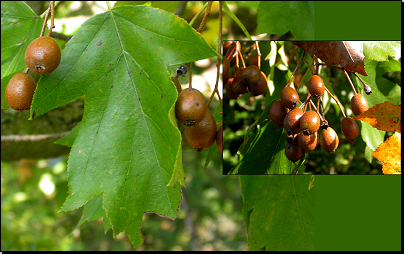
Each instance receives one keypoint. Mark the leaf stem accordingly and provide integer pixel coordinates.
(205, 18)
(294, 71)
(350, 82)
(228, 11)
(339, 105)
(197, 15)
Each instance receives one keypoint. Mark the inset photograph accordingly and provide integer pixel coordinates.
(312, 107)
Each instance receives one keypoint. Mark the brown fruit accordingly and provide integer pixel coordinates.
(359, 104)
(238, 86)
(316, 86)
(291, 123)
(42, 55)
(260, 87)
(308, 142)
(253, 60)
(289, 97)
(191, 107)
(251, 74)
(293, 153)
(349, 128)
(19, 92)
(219, 139)
(229, 90)
(310, 122)
(277, 113)
(203, 134)
(329, 140)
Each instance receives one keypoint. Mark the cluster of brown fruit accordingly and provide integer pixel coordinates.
(245, 79)
(42, 57)
(192, 111)
(301, 127)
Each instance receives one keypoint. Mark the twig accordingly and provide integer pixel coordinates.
(33, 138)
(294, 71)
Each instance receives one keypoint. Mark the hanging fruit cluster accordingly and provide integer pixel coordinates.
(245, 78)
(191, 110)
(41, 57)
(302, 124)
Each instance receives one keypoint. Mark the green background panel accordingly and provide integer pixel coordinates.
(357, 20)
(358, 213)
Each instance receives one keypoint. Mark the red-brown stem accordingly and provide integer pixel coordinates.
(219, 51)
(258, 54)
(316, 108)
(52, 7)
(45, 21)
(304, 104)
(26, 70)
(350, 82)
(294, 71)
(190, 75)
(241, 57)
(205, 18)
(339, 105)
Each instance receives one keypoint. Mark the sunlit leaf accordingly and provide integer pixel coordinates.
(389, 153)
(384, 116)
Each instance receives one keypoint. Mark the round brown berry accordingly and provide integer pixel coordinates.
(316, 86)
(191, 107)
(359, 104)
(308, 142)
(19, 91)
(329, 140)
(293, 153)
(277, 113)
(349, 128)
(289, 97)
(291, 123)
(42, 55)
(310, 122)
(260, 87)
(203, 134)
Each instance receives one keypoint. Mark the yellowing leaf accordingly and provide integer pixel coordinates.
(389, 152)
(384, 116)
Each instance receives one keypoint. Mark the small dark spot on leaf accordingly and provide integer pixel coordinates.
(150, 38)
(74, 203)
(133, 61)
(99, 43)
(86, 49)
(140, 73)
(139, 99)
(106, 172)
(149, 78)
(129, 72)
(46, 88)
(161, 96)
(112, 86)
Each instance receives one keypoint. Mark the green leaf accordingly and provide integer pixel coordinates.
(380, 50)
(69, 139)
(127, 147)
(278, 212)
(278, 17)
(19, 26)
(263, 151)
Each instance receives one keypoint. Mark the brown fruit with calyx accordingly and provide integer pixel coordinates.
(329, 140)
(291, 123)
(277, 113)
(359, 104)
(289, 97)
(349, 128)
(19, 92)
(293, 153)
(43, 55)
(191, 107)
(203, 134)
(238, 86)
(260, 87)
